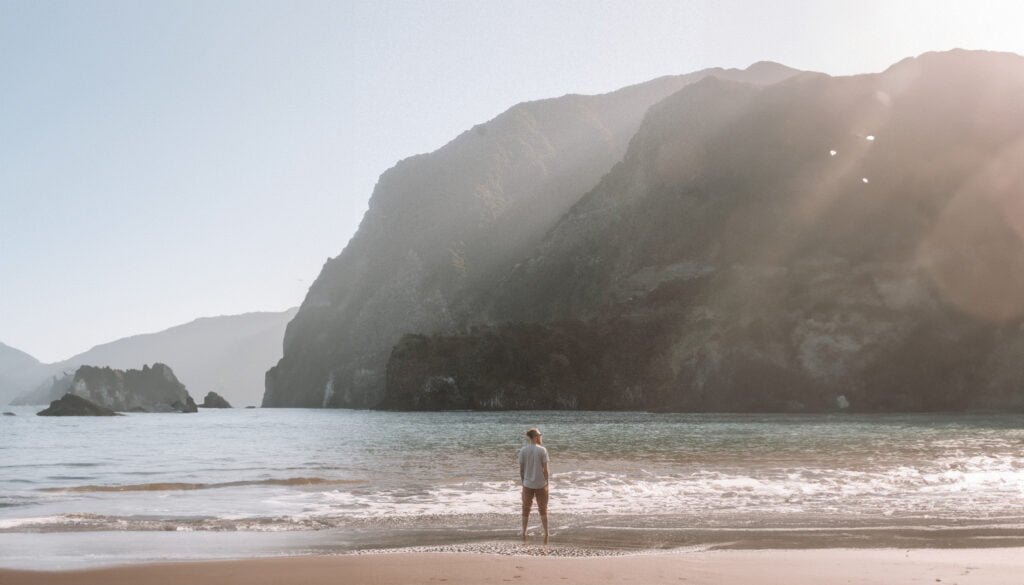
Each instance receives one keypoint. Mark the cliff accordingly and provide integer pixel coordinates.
(819, 244)
(529, 366)
(442, 227)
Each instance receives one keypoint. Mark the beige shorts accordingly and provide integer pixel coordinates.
(542, 500)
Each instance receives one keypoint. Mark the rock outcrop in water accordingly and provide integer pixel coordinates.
(214, 400)
(442, 226)
(72, 405)
(823, 243)
(151, 389)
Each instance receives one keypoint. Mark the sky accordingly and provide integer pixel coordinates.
(162, 161)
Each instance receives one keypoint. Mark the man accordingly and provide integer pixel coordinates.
(533, 471)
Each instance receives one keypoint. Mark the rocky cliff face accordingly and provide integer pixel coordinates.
(151, 389)
(820, 244)
(442, 227)
(611, 365)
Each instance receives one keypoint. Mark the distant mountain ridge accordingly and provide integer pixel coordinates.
(445, 224)
(226, 354)
(18, 370)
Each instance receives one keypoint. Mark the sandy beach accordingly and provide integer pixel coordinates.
(739, 567)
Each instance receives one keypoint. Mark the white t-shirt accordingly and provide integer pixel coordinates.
(533, 458)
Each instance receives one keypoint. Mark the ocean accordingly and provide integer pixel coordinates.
(78, 492)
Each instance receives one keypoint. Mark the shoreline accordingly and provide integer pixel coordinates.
(980, 566)
(71, 552)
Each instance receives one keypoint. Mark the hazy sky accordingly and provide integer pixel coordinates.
(162, 161)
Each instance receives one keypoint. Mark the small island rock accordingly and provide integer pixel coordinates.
(73, 405)
(152, 389)
(214, 400)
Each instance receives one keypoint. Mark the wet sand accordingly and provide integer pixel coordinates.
(719, 567)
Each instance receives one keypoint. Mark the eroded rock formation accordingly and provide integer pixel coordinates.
(214, 400)
(151, 389)
(73, 405)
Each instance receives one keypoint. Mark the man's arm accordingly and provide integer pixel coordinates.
(545, 473)
(522, 470)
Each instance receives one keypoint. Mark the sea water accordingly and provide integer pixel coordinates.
(256, 482)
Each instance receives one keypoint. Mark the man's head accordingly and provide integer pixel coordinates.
(535, 436)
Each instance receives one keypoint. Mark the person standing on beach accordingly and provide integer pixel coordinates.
(533, 471)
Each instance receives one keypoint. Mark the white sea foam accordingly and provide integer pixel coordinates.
(983, 482)
(13, 523)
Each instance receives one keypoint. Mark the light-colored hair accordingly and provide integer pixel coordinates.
(532, 432)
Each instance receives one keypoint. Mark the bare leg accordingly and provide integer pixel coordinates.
(527, 504)
(544, 521)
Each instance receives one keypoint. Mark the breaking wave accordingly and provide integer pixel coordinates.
(180, 486)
